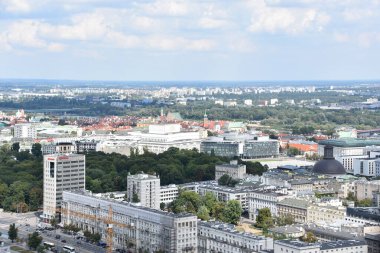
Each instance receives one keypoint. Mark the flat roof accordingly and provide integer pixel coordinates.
(350, 142)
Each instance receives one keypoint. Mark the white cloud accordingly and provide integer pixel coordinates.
(357, 14)
(16, 6)
(211, 23)
(292, 20)
(167, 8)
(342, 37)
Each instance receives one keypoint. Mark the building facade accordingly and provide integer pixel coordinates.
(134, 227)
(223, 237)
(296, 208)
(61, 173)
(147, 189)
(24, 131)
(233, 169)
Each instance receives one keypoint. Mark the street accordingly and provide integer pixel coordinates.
(27, 223)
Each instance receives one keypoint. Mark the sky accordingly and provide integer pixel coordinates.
(190, 39)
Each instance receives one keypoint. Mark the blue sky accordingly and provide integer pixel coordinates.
(190, 39)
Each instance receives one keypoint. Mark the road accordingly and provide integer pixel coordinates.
(27, 223)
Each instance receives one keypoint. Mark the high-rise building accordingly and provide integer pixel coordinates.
(61, 173)
(24, 131)
(145, 189)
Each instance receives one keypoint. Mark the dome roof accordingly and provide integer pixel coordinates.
(329, 165)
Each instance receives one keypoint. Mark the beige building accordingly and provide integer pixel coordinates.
(146, 188)
(364, 189)
(319, 214)
(296, 208)
(233, 169)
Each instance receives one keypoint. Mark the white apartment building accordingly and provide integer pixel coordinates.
(343, 246)
(168, 193)
(134, 227)
(223, 237)
(366, 166)
(348, 162)
(147, 189)
(23, 131)
(161, 137)
(262, 198)
(233, 169)
(61, 173)
(225, 194)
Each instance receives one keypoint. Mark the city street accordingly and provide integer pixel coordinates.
(27, 223)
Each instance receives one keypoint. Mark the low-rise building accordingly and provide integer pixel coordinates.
(295, 246)
(373, 242)
(168, 193)
(319, 214)
(297, 208)
(223, 237)
(232, 169)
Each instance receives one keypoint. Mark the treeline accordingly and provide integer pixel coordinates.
(108, 172)
(20, 180)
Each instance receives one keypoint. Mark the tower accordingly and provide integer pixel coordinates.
(205, 119)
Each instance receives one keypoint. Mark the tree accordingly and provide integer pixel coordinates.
(162, 206)
(227, 181)
(309, 237)
(364, 203)
(203, 213)
(37, 150)
(12, 232)
(34, 240)
(284, 220)
(54, 222)
(16, 146)
(264, 219)
(135, 198)
(232, 212)
(254, 168)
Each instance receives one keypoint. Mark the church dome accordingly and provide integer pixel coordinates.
(329, 165)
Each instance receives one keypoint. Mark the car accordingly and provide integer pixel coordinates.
(64, 241)
(57, 237)
(79, 242)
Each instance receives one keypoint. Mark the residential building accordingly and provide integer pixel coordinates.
(233, 169)
(264, 198)
(136, 227)
(364, 189)
(146, 188)
(366, 166)
(168, 193)
(373, 242)
(225, 194)
(223, 237)
(24, 131)
(297, 208)
(319, 214)
(84, 146)
(344, 246)
(61, 173)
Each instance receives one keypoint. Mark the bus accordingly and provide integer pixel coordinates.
(49, 245)
(68, 249)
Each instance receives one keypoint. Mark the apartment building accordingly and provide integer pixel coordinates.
(168, 193)
(134, 227)
(147, 189)
(262, 198)
(295, 246)
(327, 214)
(223, 237)
(297, 208)
(24, 131)
(61, 173)
(232, 169)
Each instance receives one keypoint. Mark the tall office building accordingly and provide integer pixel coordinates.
(146, 188)
(61, 173)
(24, 131)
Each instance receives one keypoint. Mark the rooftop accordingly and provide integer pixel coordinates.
(350, 142)
(341, 244)
(298, 203)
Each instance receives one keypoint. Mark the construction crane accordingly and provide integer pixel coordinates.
(110, 223)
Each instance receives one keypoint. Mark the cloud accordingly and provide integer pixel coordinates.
(211, 23)
(16, 6)
(295, 20)
(167, 8)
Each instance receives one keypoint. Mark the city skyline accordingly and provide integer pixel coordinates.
(189, 40)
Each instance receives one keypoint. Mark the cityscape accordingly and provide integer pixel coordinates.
(161, 126)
